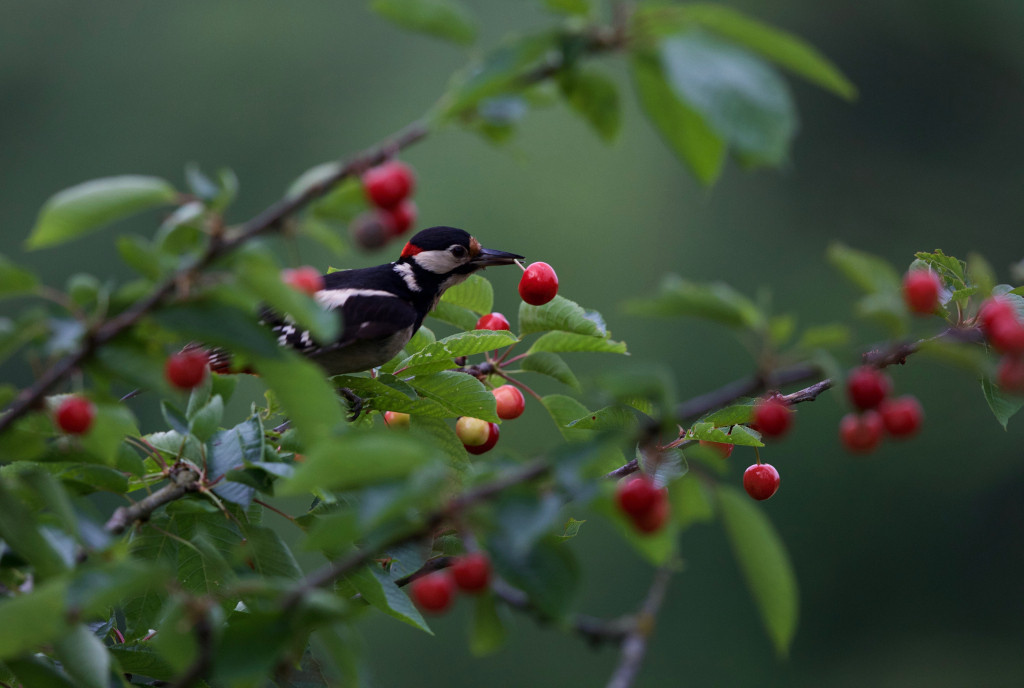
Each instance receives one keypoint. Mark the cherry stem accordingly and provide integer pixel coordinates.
(521, 267)
(517, 383)
(498, 362)
(274, 509)
(757, 455)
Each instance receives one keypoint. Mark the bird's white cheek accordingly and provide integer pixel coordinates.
(437, 262)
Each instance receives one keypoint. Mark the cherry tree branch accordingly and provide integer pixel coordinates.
(184, 479)
(634, 645)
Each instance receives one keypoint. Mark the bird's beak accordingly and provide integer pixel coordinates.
(488, 257)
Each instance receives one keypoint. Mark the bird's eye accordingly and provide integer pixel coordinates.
(458, 251)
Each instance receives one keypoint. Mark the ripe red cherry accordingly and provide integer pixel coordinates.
(637, 495)
(862, 433)
(187, 369)
(772, 417)
(472, 572)
(492, 321)
(306, 279)
(538, 285)
(1010, 376)
(1006, 335)
(995, 310)
(724, 449)
(761, 480)
(902, 416)
(655, 518)
(921, 290)
(403, 217)
(433, 592)
(388, 184)
(867, 386)
(510, 402)
(75, 415)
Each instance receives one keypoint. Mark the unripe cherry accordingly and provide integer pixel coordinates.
(861, 433)
(388, 184)
(867, 386)
(433, 592)
(723, 449)
(472, 572)
(492, 321)
(921, 289)
(306, 279)
(902, 416)
(74, 415)
(472, 432)
(1010, 376)
(539, 284)
(493, 432)
(510, 402)
(761, 480)
(772, 417)
(186, 369)
(396, 419)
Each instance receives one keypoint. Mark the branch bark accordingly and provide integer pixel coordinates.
(184, 479)
(634, 646)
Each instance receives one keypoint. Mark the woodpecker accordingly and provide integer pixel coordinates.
(382, 307)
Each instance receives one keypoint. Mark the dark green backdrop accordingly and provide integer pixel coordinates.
(911, 562)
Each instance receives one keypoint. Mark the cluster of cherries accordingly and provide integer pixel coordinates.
(1005, 333)
(388, 187)
(435, 591)
(868, 389)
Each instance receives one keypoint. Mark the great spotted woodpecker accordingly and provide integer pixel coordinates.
(382, 307)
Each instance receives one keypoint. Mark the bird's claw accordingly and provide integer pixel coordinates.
(355, 403)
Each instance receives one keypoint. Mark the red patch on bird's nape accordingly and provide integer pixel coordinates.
(410, 250)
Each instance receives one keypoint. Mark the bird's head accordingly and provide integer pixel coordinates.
(447, 251)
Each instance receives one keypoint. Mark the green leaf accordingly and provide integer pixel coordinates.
(388, 393)
(235, 448)
(446, 19)
(22, 533)
(608, 418)
(866, 271)
(442, 435)
(261, 275)
(690, 502)
(475, 294)
(84, 657)
(438, 356)
(141, 658)
(463, 318)
(357, 459)
(715, 301)
(824, 337)
(740, 97)
(548, 573)
(1002, 406)
(595, 98)
(462, 394)
(579, 8)
(381, 592)
(778, 46)
(487, 633)
(81, 209)
(730, 415)
(562, 342)
(552, 365)
(14, 279)
(306, 395)
(765, 564)
(657, 548)
(564, 410)
(268, 554)
(39, 670)
(689, 136)
(741, 435)
(113, 422)
(558, 314)
(27, 621)
(215, 323)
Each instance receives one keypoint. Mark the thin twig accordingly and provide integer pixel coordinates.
(634, 646)
(184, 479)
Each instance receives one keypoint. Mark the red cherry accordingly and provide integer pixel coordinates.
(637, 495)
(492, 321)
(306, 279)
(472, 572)
(902, 416)
(186, 369)
(653, 519)
(510, 402)
(1010, 376)
(772, 417)
(75, 415)
(488, 445)
(1006, 336)
(402, 217)
(761, 480)
(388, 184)
(724, 449)
(921, 289)
(538, 285)
(993, 310)
(862, 433)
(867, 386)
(433, 592)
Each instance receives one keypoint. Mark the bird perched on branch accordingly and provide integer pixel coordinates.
(381, 307)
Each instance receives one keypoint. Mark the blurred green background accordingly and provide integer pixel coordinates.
(911, 562)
